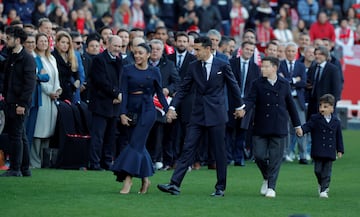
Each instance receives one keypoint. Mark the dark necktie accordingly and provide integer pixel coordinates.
(317, 78)
(178, 65)
(291, 68)
(243, 77)
(204, 70)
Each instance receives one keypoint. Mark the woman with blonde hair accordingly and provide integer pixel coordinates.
(50, 91)
(67, 65)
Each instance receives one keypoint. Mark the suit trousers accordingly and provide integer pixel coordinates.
(19, 147)
(235, 144)
(268, 153)
(293, 139)
(322, 169)
(216, 138)
(102, 143)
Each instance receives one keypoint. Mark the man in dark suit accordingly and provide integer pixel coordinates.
(332, 59)
(209, 76)
(17, 85)
(105, 98)
(160, 134)
(324, 78)
(92, 49)
(294, 72)
(205, 152)
(181, 58)
(270, 97)
(245, 71)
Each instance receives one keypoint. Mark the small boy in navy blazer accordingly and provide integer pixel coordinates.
(326, 137)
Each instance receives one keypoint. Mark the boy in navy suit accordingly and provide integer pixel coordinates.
(326, 137)
(270, 97)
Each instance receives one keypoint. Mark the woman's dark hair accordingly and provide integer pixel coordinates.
(145, 46)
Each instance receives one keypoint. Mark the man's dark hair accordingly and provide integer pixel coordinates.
(204, 40)
(122, 30)
(135, 29)
(92, 37)
(161, 28)
(178, 34)
(16, 22)
(327, 98)
(103, 28)
(273, 43)
(194, 34)
(224, 40)
(74, 34)
(247, 42)
(273, 60)
(16, 32)
(249, 30)
(106, 14)
(29, 25)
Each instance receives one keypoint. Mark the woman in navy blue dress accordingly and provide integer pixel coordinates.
(139, 83)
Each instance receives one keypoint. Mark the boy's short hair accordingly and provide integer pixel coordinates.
(327, 98)
(273, 60)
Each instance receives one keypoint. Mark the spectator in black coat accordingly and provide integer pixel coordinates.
(17, 86)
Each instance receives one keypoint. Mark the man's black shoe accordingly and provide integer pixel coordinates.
(96, 168)
(10, 173)
(241, 164)
(26, 173)
(218, 193)
(169, 188)
(303, 161)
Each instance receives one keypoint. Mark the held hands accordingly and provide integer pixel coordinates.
(125, 120)
(20, 110)
(118, 99)
(77, 84)
(239, 113)
(171, 115)
(299, 132)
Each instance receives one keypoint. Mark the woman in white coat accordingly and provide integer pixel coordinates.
(50, 91)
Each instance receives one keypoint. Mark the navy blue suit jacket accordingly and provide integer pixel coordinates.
(185, 107)
(209, 107)
(326, 138)
(252, 74)
(299, 70)
(105, 85)
(273, 106)
(330, 82)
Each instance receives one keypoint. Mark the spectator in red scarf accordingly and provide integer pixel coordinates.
(345, 37)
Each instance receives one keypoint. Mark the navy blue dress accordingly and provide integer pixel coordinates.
(135, 160)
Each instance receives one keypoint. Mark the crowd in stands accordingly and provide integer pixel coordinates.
(65, 36)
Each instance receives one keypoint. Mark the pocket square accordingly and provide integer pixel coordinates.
(219, 72)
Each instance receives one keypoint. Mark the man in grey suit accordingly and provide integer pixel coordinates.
(208, 75)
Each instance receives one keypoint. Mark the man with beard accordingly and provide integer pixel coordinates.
(181, 58)
(17, 86)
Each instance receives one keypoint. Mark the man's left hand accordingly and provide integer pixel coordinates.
(239, 113)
